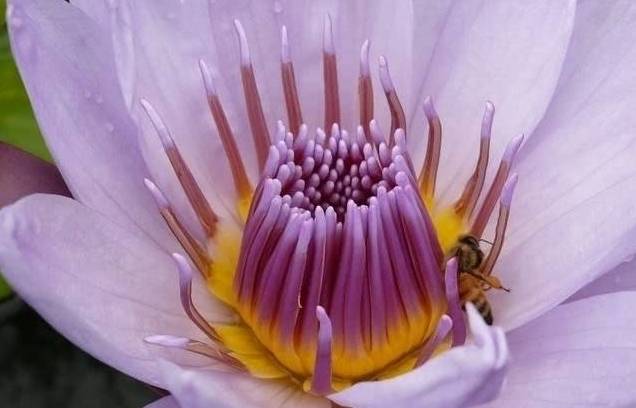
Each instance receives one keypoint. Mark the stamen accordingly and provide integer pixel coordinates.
(189, 244)
(292, 102)
(185, 293)
(321, 381)
(428, 175)
(365, 90)
(465, 206)
(376, 133)
(200, 204)
(443, 328)
(330, 76)
(194, 346)
(502, 223)
(479, 224)
(255, 114)
(337, 225)
(454, 305)
(398, 119)
(241, 181)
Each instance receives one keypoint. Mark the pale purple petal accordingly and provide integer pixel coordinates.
(573, 217)
(205, 388)
(68, 69)
(158, 46)
(621, 278)
(579, 354)
(165, 402)
(102, 286)
(96, 9)
(461, 377)
(508, 52)
(22, 174)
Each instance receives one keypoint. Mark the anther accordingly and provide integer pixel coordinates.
(482, 217)
(321, 381)
(465, 206)
(365, 90)
(241, 181)
(185, 293)
(189, 244)
(193, 346)
(290, 91)
(255, 113)
(454, 306)
(330, 76)
(502, 223)
(398, 119)
(444, 327)
(428, 175)
(200, 204)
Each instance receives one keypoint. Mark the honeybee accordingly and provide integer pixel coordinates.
(473, 284)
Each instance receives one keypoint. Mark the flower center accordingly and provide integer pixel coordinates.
(340, 264)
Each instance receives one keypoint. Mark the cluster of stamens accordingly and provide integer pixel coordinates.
(341, 271)
(316, 170)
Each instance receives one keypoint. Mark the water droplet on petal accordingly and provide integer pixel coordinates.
(98, 99)
(278, 7)
(110, 127)
(88, 94)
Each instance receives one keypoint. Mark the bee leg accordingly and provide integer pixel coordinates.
(492, 282)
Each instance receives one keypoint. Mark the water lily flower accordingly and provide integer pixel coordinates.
(263, 216)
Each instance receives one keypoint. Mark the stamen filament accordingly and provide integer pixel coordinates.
(398, 119)
(444, 327)
(321, 381)
(481, 220)
(465, 206)
(502, 223)
(292, 101)
(241, 181)
(365, 90)
(454, 305)
(185, 293)
(187, 241)
(330, 76)
(255, 114)
(203, 210)
(194, 346)
(428, 175)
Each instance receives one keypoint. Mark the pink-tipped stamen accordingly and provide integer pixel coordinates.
(454, 305)
(255, 114)
(206, 215)
(465, 206)
(428, 175)
(330, 76)
(321, 381)
(365, 90)
(398, 119)
(192, 247)
(502, 223)
(185, 293)
(482, 217)
(292, 102)
(239, 175)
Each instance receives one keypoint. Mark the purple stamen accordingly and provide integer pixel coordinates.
(185, 292)
(454, 305)
(321, 382)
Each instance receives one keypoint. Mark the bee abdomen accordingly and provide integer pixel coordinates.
(484, 309)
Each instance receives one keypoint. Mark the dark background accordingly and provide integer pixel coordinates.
(40, 368)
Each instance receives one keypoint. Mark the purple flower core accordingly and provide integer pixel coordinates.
(345, 269)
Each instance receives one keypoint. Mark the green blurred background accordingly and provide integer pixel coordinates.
(38, 367)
